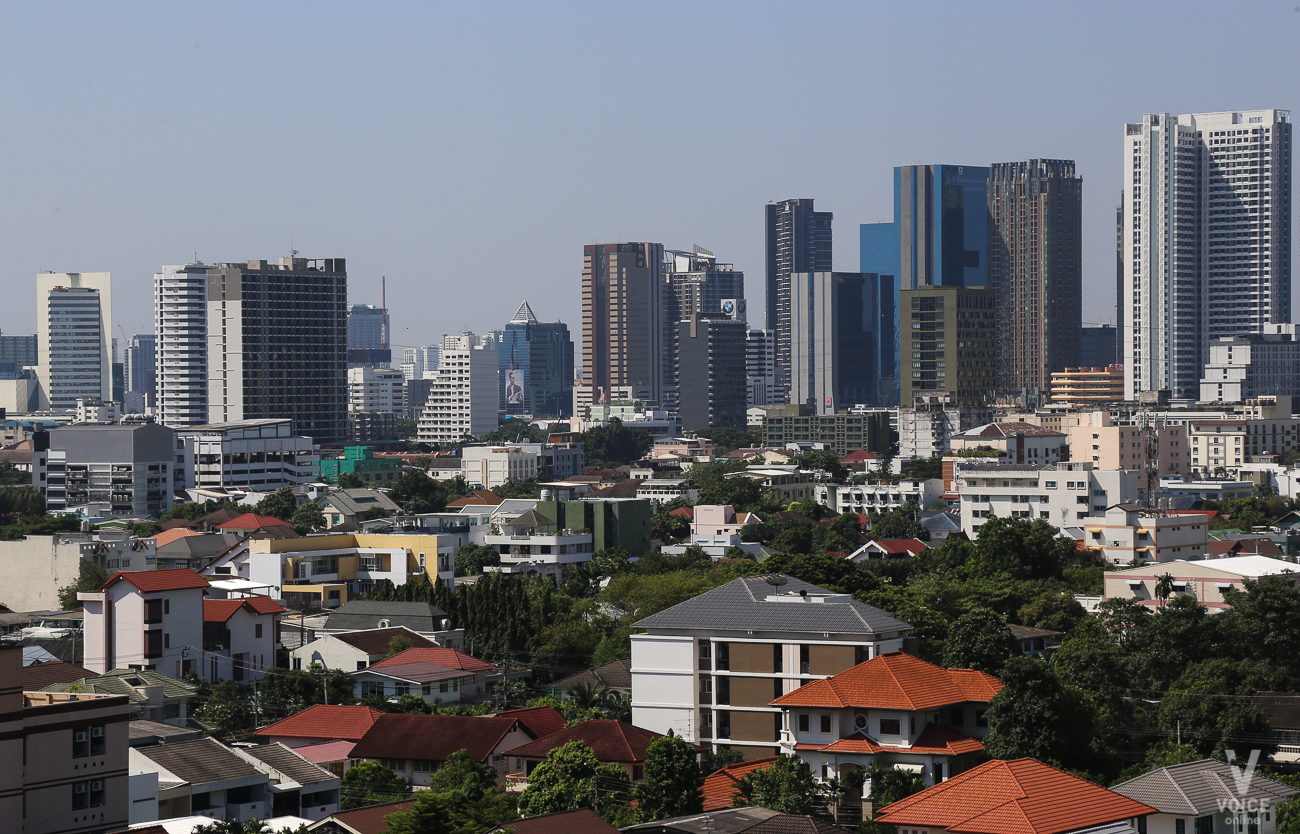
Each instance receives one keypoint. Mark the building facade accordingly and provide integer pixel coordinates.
(536, 366)
(1062, 494)
(375, 390)
(709, 377)
(1206, 240)
(694, 282)
(125, 469)
(1251, 365)
(925, 429)
(465, 393)
(798, 239)
(760, 370)
(367, 327)
(842, 433)
(74, 325)
(1036, 267)
(950, 338)
(841, 339)
(622, 321)
(1088, 386)
(1098, 345)
(140, 365)
(20, 350)
(261, 454)
(180, 303)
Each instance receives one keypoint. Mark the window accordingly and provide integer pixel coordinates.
(257, 631)
(889, 727)
(153, 644)
(167, 606)
(825, 723)
(80, 796)
(803, 722)
(981, 718)
(956, 716)
(1180, 826)
(1142, 825)
(153, 611)
(167, 640)
(361, 664)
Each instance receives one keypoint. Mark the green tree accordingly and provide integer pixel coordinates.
(461, 797)
(1208, 707)
(786, 785)
(980, 640)
(370, 783)
(728, 439)
(669, 528)
(611, 561)
(350, 480)
(1037, 716)
(90, 576)
(21, 501)
(415, 492)
(825, 461)
(279, 504)
(711, 762)
(890, 783)
(924, 467)
(672, 781)
(252, 826)
(308, 519)
(398, 644)
(229, 709)
(614, 444)
(899, 523)
(830, 572)
(1052, 610)
(11, 475)
(743, 493)
(572, 777)
(472, 558)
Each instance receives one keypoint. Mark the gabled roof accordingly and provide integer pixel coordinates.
(330, 751)
(1012, 797)
(1202, 787)
(859, 456)
(40, 675)
(251, 521)
(200, 762)
(290, 763)
(538, 721)
(684, 512)
(416, 672)
(325, 722)
(612, 741)
(125, 682)
(1009, 430)
(582, 821)
(617, 674)
(477, 498)
(158, 580)
(370, 819)
(376, 640)
(169, 536)
(434, 737)
(743, 605)
(895, 681)
(450, 658)
(898, 547)
(220, 516)
(622, 489)
(354, 501)
(720, 786)
(221, 610)
(359, 614)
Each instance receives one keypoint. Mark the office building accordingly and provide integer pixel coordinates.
(622, 321)
(1098, 345)
(262, 455)
(415, 393)
(140, 363)
(277, 344)
(124, 469)
(950, 341)
(710, 372)
(798, 239)
(1092, 386)
(465, 393)
(1035, 216)
(841, 339)
(760, 370)
(375, 389)
(841, 433)
(419, 362)
(367, 327)
(1253, 364)
(536, 371)
(1206, 243)
(74, 320)
(181, 346)
(20, 350)
(694, 282)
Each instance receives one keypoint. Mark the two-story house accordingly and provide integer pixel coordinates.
(145, 620)
(240, 637)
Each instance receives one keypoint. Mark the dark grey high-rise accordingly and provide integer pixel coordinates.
(694, 282)
(798, 240)
(710, 377)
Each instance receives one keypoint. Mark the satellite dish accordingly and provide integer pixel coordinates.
(776, 580)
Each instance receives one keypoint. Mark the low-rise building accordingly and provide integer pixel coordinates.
(888, 549)
(153, 696)
(788, 483)
(437, 685)
(424, 618)
(146, 620)
(659, 491)
(205, 778)
(532, 544)
(298, 787)
(486, 467)
(125, 469)
(240, 638)
(36, 567)
(263, 454)
(1205, 490)
(321, 723)
(1014, 442)
(1207, 581)
(880, 497)
(615, 676)
(926, 427)
(842, 433)
(1062, 494)
(474, 673)
(354, 650)
(361, 461)
(352, 506)
(614, 742)
(716, 528)
(1227, 798)
(1127, 534)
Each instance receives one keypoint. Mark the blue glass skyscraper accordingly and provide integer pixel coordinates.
(536, 362)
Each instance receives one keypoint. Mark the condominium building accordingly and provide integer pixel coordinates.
(20, 350)
(1062, 494)
(140, 363)
(367, 327)
(1205, 248)
(181, 333)
(1035, 211)
(709, 376)
(798, 239)
(842, 433)
(1251, 365)
(263, 455)
(465, 393)
(949, 339)
(1088, 386)
(486, 467)
(375, 390)
(419, 362)
(841, 339)
(1098, 346)
(74, 323)
(760, 370)
(622, 322)
(536, 366)
(695, 282)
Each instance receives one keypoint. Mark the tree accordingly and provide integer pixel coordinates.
(786, 785)
(253, 826)
(825, 461)
(900, 523)
(668, 527)
(350, 480)
(21, 500)
(472, 558)
(1208, 707)
(90, 576)
(279, 504)
(11, 475)
(1052, 610)
(572, 777)
(1164, 588)
(924, 467)
(415, 492)
(728, 439)
(370, 783)
(745, 494)
(614, 444)
(308, 519)
(981, 640)
(830, 572)
(398, 644)
(610, 561)
(1036, 716)
(890, 783)
(461, 798)
(229, 709)
(672, 781)
(711, 762)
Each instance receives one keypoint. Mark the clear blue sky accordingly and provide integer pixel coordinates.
(469, 150)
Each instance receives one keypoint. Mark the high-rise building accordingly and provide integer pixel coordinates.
(798, 239)
(277, 344)
(375, 390)
(950, 339)
(1206, 249)
(760, 369)
(710, 372)
(841, 331)
(1035, 216)
(1098, 346)
(181, 330)
(536, 372)
(74, 315)
(419, 362)
(622, 321)
(465, 393)
(367, 327)
(694, 282)
(140, 363)
(20, 350)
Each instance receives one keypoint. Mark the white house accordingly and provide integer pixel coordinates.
(1206, 580)
(437, 685)
(716, 528)
(1208, 796)
(1016, 442)
(240, 637)
(1062, 494)
(533, 545)
(354, 650)
(145, 620)
(491, 466)
(298, 787)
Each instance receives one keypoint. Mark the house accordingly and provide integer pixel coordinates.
(862, 459)
(437, 685)
(751, 819)
(1207, 796)
(413, 746)
(532, 544)
(1208, 580)
(145, 620)
(204, 777)
(940, 523)
(474, 672)
(354, 650)
(247, 523)
(1020, 796)
(894, 708)
(615, 676)
(153, 695)
(321, 723)
(334, 756)
(240, 638)
(42, 674)
(424, 618)
(352, 506)
(477, 498)
(1036, 642)
(614, 742)
(888, 548)
(1013, 442)
(64, 761)
(367, 820)
(720, 786)
(708, 668)
(298, 786)
(199, 552)
(144, 733)
(716, 528)
(1126, 534)
(1062, 494)
(787, 483)
(581, 821)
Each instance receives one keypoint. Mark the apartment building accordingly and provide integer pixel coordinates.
(1088, 386)
(841, 432)
(709, 371)
(145, 619)
(372, 389)
(180, 304)
(125, 469)
(709, 668)
(1127, 534)
(622, 322)
(1063, 494)
(926, 427)
(949, 342)
(74, 327)
(532, 544)
(1248, 365)
(798, 238)
(464, 396)
(1013, 442)
(262, 454)
(870, 499)
(695, 284)
(485, 467)
(1230, 443)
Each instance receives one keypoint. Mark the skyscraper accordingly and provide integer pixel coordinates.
(951, 344)
(1206, 225)
(760, 369)
(74, 323)
(140, 363)
(710, 373)
(20, 350)
(798, 239)
(181, 331)
(367, 327)
(622, 321)
(536, 365)
(694, 282)
(838, 324)
(463, 396)
(1035, 266)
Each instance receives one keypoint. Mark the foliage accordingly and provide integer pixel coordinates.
(611, 561)
(370, 783)
(461, 798)
(515, 431)
(90, 575)
(899, 523)
(252, 826)
(519, 488)
(711, 762)
(924, 468)
(572, 777)
(614, 445)
(669, 528)
(672, 781)
(279, 504)
(308, 519)
(1037, 716)
(40, 525)
(398, 644)
(825, 461)
(830, 572)
(979, 640)
(728, 439)
(472, 558)
(407, 428)
(229, 709)
(350, 480)
(1052, 610)
(890, 784)
(21, 500)
(415, 492)
(1208, 708)
(11, 475)
(786, 785)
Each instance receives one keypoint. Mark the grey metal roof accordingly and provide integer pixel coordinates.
(742, 605)
(200, 761)
(1005, 467)
(1199, 788)
(289, 763)
(366, 614)
(355, 501)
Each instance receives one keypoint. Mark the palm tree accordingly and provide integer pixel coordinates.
(1164, 588)
(588, 695)
(616, 705)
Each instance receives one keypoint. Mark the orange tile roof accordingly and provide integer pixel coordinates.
(859, 742)
(328, 722)
(895, 681)
(220, 610)
(477, 498)
(719, 788)
(539, 721)
(450, 658)
(933, 740)
(251, 521)
(169, 536)
(899, 547)
(1012, 797)
(159, 580)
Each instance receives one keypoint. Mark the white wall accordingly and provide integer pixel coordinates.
(664, 687)
(332, 652)
(143, 786)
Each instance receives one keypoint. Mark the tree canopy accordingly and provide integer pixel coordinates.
(614, 444)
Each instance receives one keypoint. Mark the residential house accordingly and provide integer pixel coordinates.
(709, 668)
(247, 523)
(888, 548)
(145, 620)
(298, 787)
(205, 778)
(878, 497)
(787, 483)
(437, 685)
(716, 528)
(352, 506)
(44, 673)
(533, 544)
(1036, 642)
(614, 742)
(240, 638)
(367, 820)
(750, 819)
(424, 618)
(197, 551)
(720, 787)
(321, 723)
(1208, 796)
(354, 650)
(615, 676)
(940, 523)
(1020, 796)
(474, 673)
(1208, 581)
(1013, 442)
(581, 821)
(152, 695)
(334, 756)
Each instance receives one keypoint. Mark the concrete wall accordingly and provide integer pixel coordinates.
(34, 569)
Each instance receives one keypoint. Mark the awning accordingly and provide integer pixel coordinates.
(910, 768)
(1143, 532)
(1223, 586)
(1135, 582)
(1094, 529)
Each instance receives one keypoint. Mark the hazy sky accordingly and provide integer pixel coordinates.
(467, 151)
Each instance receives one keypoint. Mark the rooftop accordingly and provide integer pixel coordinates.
(617, 674)
(290, 763)
(448, 658)
(127, 682)
(727, 820)
(582, 821)
(158, 580)
(370, 819)
(221, 610)
(1009, 430)
(251, 521)
(363, 613)
(200, 762)
(612, 741)
(433, 737)
(377, 640)
(324, 722)
(1202, 787)
(895, 681)
(40, 675)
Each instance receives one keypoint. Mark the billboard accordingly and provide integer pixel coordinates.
(515, 386)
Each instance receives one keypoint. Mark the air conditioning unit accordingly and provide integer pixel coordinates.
(80, 787)
(97, 785)
(80, 736)
(97, 732)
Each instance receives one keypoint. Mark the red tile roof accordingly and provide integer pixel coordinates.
(220, 610)
(326, 722)
(900, 547)
(450, 658)
(582, 821)
(539, 721)
(895, 681)
(1012, 797)
(330, 751)
(370, 819)
(1209, 514)
(169, 536)
(477, 498)
(376, 640)
(159, 580)
(434, 737)
(40, 675)
(613, 741)
(251, 521)
(855, 457)
(684, 512)
(719, 788)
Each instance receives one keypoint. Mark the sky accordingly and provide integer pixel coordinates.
(467, 151)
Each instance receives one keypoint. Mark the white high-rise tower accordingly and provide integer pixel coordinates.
(74, 323)
(1205, 240)
(181, 327)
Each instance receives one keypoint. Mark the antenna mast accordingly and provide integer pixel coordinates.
(383, 294)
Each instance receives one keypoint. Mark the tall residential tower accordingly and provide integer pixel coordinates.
(74, 323)
(622, 322)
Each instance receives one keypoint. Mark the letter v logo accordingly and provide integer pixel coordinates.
(1242, 776)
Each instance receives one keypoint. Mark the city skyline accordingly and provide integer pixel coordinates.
(101, 200)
